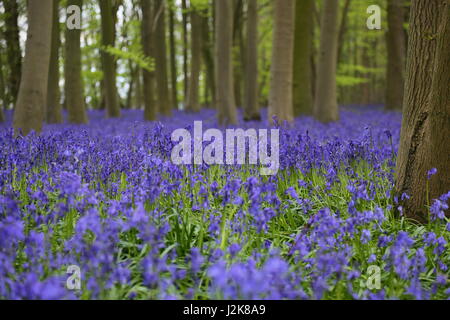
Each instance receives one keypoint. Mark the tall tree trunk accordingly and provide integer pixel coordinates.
(73, 86)
(425, 128)
(226, 105)
(30, 104)
(396, 56)
(13, 51)
(304, 29)
(208, 58)
(280, 100)
(2, 85)
(326, 107)
(343, 28)
(53, 107)
(251, 104)
(148, 77)
(193, 104)
(185, 48)
(162, 81)
(173, 55)
(108, 62)
(238, 50)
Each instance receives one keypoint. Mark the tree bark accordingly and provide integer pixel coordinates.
(226, 105)
(30, 104)
(238, 51)
(208, 58)
(53, 107)
(148, 77)
(185, 49)
(280, 100)
(326, 107)
(343, 28)
(73, 86)
(173, 60)
(162, 80)
(425, 127)
(2, 85)
(304, 28)
(395, 37)
(13, 51)
(251, 104)
(109, 65)
(193, 104)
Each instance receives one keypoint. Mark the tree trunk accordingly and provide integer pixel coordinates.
(192, 104)
(343, 28)
(53, 107)
(208, 58)
(73, 86)
(148, 77)
(251, 104)
(185, 48)
(226, 105)
(2, 87)
(425, 128)
(173, 60)
(326, 107)
(109, 65)
(304, 28)
(238, 50)
(13, 51)
(30, 104)
(280, 100)
(162, 81)
(396, 56)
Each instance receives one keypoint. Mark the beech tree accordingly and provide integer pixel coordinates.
(325, 104)
(73, 87)
(53, 112)
(162, 80)
(29, 111)
(396, 55)
(425, 134)
(304, 29)
(226, 105)
(13, 51)
(108, 63)
(192, 103)
(280, 97)
(148, 76)
(251, 106)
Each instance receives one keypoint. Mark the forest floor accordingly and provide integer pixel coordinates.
(105, 199)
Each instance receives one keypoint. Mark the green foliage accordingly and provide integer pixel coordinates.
(139, 58)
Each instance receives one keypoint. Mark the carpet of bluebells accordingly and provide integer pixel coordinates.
(107, 198)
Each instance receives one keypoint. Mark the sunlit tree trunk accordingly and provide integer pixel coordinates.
(425, 135)
(226, 105)
(396, 55)
(280, 99)
(30, 104)
(304, 28)
(251, 104)
(162, 80)
(109, 66)
(148, 77)
(325, 104)
(13, 51)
